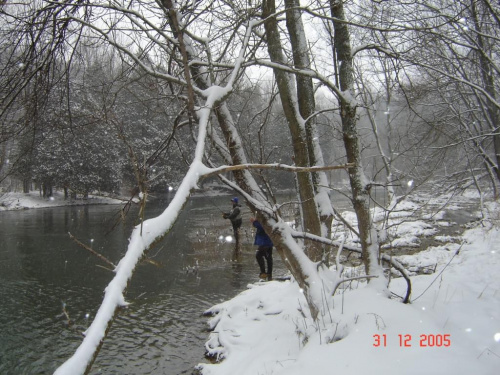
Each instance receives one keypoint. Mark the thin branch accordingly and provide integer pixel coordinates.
(100, 256)
(439, 274)
(352, 279)
(393, 262)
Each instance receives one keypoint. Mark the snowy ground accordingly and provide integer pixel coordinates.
(22, 201)
(452, 325)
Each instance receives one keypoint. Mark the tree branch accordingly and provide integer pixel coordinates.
(277, 166)
(100, 256)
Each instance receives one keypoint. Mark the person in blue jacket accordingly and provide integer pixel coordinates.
(264, 250)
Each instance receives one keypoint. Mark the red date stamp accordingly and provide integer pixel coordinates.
(407, 341)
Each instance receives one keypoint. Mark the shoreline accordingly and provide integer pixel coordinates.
(16, 201)
(25, 201)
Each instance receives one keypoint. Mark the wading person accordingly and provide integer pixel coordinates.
(264, 252)
(235, 216)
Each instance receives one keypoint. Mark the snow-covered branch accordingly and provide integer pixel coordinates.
(278, 166)
(143, 237)
(375, 47)
(304, 72)
(393, 262)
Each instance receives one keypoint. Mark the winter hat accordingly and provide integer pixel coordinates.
(235, 200)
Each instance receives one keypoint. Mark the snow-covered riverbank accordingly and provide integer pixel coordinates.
(452, 325)
(23, 201)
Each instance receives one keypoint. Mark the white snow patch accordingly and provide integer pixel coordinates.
(452, 328)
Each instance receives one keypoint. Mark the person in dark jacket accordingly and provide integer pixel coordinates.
(235, 216)
(264, 251)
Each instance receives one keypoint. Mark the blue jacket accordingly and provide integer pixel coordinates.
(261, 237)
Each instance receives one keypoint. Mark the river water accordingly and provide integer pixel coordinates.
(50, 288)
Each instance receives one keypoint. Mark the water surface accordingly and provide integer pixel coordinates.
(46, 278)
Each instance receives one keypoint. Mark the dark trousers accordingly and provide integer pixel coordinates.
(265, 252)
(236, 231)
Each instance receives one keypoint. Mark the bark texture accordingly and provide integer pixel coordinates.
(296, 126)
(359, 187)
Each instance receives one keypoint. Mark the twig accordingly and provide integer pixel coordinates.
(487, 350)
(100, 256)
(345, 222)
(447, 264)
(153, 262)
(483, 291)
(398, 266)
(351, 279)
(104, 268)
(65, 312)
(377, 317)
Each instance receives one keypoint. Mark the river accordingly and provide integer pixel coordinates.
(51, 288)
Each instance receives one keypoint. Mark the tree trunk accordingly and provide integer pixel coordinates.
(307, 107)
(305, 88)
(489, 86)
(359, 187)
(26, 185)
(296, 125)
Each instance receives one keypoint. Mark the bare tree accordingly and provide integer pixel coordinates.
(451, 48)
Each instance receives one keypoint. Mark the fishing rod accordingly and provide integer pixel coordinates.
(212, 202)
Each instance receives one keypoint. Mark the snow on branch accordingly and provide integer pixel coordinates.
(342, 95)
(386, 258)
(278, 166)
(153, 231)
(375, 47)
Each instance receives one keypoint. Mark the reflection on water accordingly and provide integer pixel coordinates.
(50, 288)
